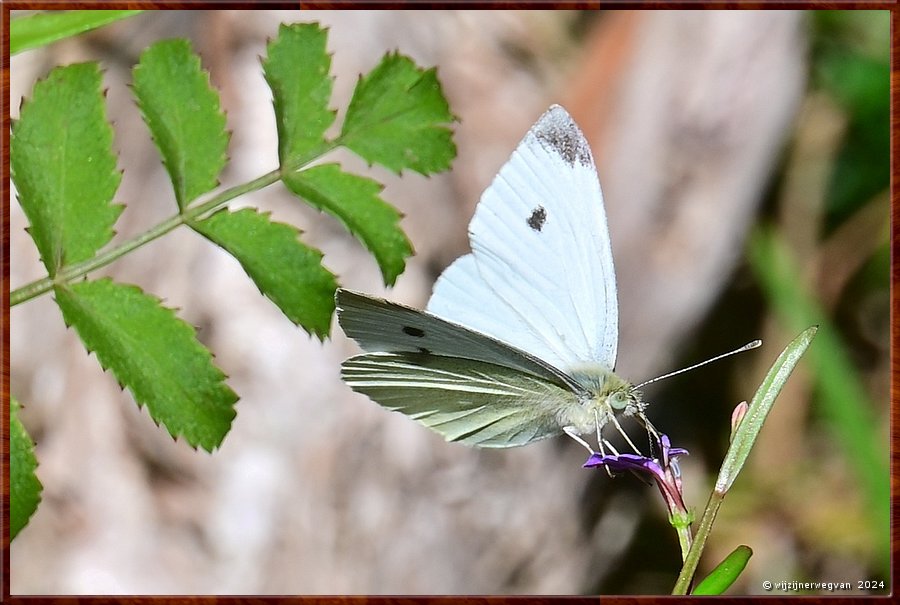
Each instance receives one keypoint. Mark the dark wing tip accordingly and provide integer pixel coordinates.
(341, 295)
(558, 132)
(344, 299)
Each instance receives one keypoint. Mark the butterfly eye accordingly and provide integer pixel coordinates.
(618, 400)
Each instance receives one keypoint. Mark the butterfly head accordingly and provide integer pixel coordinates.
(625, 400)
(606, 397)
(608, 394)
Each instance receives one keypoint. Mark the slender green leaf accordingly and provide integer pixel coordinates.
(297, 70)
(41, 29)
(24, 487)
(63, 166)
(398, 118)
(354, 200)
(182, 112)
(747, 431)
(154, 354)
(284, 269)
(725, 573)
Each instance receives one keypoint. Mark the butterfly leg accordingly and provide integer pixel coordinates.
(633, 472)
(651, 430)
(624, 434)
(653, 435)
(570, 431)
(601, 442)
(613, 449)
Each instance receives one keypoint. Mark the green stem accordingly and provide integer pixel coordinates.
(693, 556)
(684, 538)
(191, 214)
(186, 217)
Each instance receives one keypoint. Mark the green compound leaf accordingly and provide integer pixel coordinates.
(284, 269)
(297, 70)
(24, 487)
(62, 163)
(154, 354)
(41, 29)
(752, 423)
(355, 202)
(725, 573)
(183, 115)
(398, 116)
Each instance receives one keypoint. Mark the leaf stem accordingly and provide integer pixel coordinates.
(190, 214)
(693, 556)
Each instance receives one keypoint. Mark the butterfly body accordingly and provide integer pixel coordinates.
(518, 342)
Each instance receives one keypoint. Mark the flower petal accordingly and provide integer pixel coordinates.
(625, 462)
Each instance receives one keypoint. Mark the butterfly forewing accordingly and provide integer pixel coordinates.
(465, 400)
(540, 276)
(379, 325)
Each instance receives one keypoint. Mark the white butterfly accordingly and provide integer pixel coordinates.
(519, 339)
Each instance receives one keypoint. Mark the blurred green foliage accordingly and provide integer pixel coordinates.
(850, 67)
(851, 62)
(840, 394)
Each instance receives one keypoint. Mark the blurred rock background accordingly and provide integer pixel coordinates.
(718, 136)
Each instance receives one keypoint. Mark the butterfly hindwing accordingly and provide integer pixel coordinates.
(465, 400)
(383, 326)
(540, 276)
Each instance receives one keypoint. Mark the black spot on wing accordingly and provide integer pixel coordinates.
(411, 331)
(557, 131)
(537, 219)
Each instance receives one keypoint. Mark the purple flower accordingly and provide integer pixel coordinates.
(664, 471)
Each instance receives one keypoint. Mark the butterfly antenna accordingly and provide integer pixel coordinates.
(746, 347)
